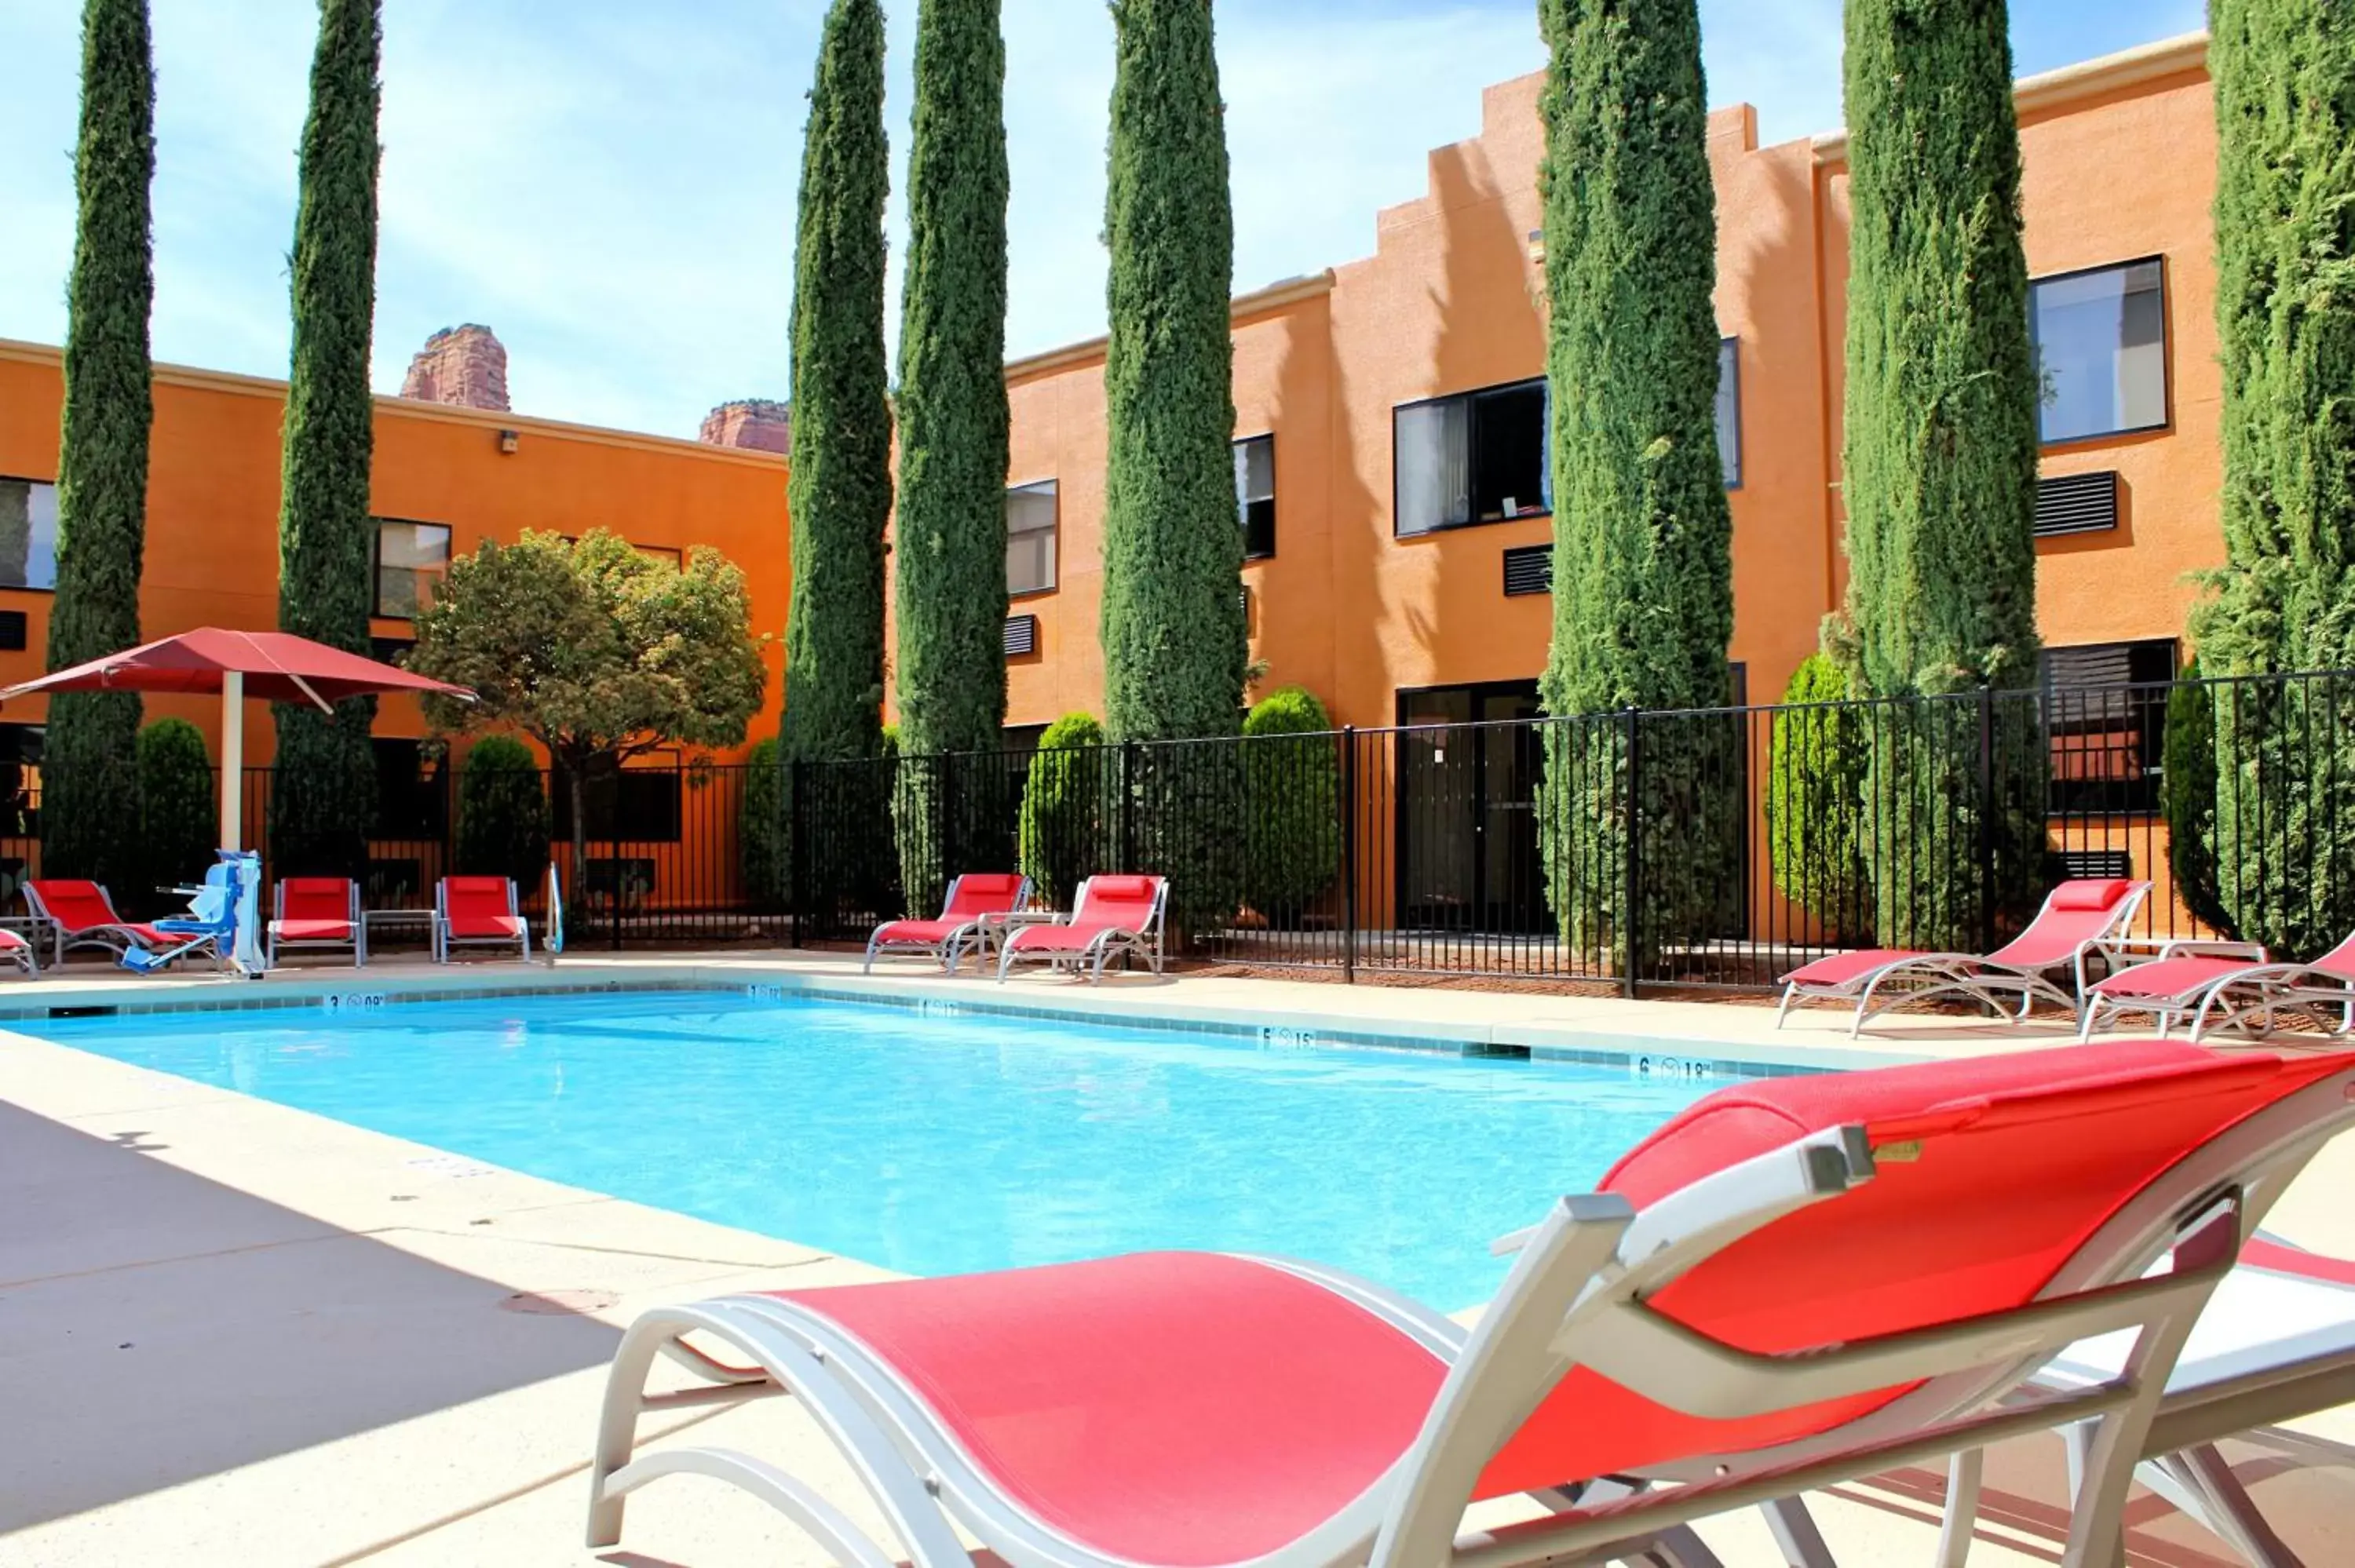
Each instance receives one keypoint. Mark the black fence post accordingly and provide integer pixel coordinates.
(1630, 826)
(1349, 853)
(1988, 882)
(1128, 751)
(797, 844)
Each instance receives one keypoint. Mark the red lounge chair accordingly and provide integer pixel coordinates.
(81, 915)
(972, 897)
(479, 911)
(2079, 916)
(1111, 915)
(1795, 1282)
(2225, 985)
(318, 911)
(14, 949)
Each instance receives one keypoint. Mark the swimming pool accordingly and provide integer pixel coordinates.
(934, 1145)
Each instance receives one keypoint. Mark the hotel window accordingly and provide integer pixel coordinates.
(410, 557)
(2106, 720)
(1030, 538)
(1729, 410)
(2101, 351)
(1477, 458)
(28, 534)
(1255, 494)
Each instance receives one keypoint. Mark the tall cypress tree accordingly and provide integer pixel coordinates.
(1174, 640)
(1643, 602)
(1175, 644)
(90, 805)
(950, 544)
(323, 794)
(840, 488)
(1940, 465)
(2284, 80)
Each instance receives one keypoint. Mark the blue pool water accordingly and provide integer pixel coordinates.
(940, 1144)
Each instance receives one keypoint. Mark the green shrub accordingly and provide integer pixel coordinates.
(761, 827)
(1815, 802)
(1292, 828)
(503, 812)
(2186, 794)
(179, 808)
(1063, 834)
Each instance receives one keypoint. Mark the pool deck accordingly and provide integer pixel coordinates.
(235, 1332)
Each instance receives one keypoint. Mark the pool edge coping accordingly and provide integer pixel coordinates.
(1280, 1025)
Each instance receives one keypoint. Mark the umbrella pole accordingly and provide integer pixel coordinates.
(233, 785)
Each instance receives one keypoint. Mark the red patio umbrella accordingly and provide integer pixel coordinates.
(275, 666)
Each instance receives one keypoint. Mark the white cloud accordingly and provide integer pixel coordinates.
(612, 190)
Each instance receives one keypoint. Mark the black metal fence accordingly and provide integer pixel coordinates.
(1711, 848)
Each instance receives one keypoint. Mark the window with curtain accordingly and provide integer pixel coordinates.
(411, 559)
(2101, 351)
(28, 534)
(1030, 520)
(1729, 410)
(1478, 456)
(1255, 494)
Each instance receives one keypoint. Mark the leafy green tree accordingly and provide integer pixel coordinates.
(595, 650)
(949, 547)
(2285, 86)
(503, 816)
(179, 812)
(1815, 801)
(1642, 597)
(840, 486)
(1172, 628)
(2187, 795)
(324, 792)
(1940, 467)
(1291, 829)
(1067, 801)
(90, 772)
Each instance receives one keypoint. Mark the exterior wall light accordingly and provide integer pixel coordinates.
(509, 441)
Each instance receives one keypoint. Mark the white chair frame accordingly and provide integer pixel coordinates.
(358, 942)
(444, 940)
(1974, 975)
(1577, 1296)
(950, 949)
(1143, 942)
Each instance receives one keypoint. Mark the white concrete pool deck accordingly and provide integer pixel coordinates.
(233, 1332)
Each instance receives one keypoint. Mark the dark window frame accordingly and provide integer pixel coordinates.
(1729, 372)
(2166, 421)
(1055, 553)
(34, 587)
(375, 561)
(1470, 397)
(1242, 505)
(2126, 731)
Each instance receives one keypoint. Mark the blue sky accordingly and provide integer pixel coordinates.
(612, 191)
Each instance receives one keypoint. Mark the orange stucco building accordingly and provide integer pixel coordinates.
(443, 479)
(1396, 506)
(1391, 619)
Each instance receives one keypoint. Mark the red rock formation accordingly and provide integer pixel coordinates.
(463, 365)
(762, 424)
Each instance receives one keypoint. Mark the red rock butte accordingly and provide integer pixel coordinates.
(467, 365)
(756, 424)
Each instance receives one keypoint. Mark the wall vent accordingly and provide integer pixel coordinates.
(1529, 568)
(2077, 504)
(1021, 635)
